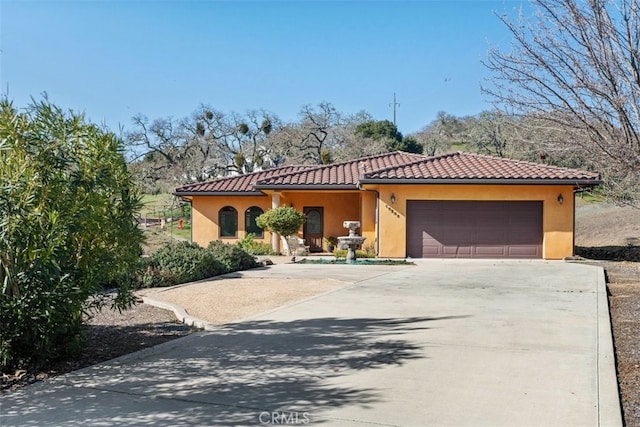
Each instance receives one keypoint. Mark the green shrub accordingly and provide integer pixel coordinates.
(67, 229)
(181, 263)
(233, 257)
(331, 241)
(360, 253)
(283, 220)
(187, 262)
(370, 249)
(251, 246)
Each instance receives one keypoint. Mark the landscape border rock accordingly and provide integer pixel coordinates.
(610, 253)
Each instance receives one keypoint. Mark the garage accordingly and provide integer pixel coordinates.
(474, 229)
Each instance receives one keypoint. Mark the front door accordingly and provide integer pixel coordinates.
(312, 229)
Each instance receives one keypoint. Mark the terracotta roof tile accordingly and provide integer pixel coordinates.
(396, 166)
(339, 174)
(239, 183)
(467, 166)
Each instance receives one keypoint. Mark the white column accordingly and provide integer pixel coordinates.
(275, 238)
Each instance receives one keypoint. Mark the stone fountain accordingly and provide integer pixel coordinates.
(351, 241)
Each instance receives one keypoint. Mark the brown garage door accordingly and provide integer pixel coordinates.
(461, 229)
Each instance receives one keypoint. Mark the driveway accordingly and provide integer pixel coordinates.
(439, 343)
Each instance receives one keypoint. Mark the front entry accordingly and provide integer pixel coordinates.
(312, 229)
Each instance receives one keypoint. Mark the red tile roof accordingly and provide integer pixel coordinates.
(237, 184)
(345, 174)
(396, 167)
(472, 167)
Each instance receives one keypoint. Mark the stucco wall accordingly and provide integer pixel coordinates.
(557, 222)
(204, 216)
(337, 207)
(391, 227)
(369, 226)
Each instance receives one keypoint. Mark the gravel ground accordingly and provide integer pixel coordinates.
(228, 300)
(624, 304)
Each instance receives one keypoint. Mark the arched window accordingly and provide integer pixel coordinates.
(250, 225)
(228, 221)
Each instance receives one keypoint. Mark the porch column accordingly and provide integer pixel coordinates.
(369, 217)
(275, 238)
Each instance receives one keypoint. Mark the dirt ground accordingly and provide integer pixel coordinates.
(613, 232)
(599, 225)
(109, 334)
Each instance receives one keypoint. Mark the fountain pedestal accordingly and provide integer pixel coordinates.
(352, 240)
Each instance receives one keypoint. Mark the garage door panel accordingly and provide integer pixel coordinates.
(490, 252)
(524, 252)
(474, 229)
(459, 251)
(432, 252)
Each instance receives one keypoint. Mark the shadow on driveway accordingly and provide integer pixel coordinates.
(226, 377)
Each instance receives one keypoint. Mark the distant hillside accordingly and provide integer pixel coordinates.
(602, 224)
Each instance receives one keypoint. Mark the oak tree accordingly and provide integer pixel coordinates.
(575, 66)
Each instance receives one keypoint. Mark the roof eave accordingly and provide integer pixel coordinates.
(218, 193)
(579, 183)
(306, 187)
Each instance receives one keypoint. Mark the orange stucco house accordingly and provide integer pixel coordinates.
(457, 205)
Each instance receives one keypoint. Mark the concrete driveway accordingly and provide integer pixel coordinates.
(439, 343)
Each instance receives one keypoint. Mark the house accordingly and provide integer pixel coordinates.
(409, 205)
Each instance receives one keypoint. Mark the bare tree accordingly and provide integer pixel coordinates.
(208, 131)
(158, 148)
(325, 135)
(318, 132)
(350, 145)
(209, 143)
(234, 143)
(491, 133)
(442, 133)
(575, 65)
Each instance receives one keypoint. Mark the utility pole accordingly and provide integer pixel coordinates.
(394, 104)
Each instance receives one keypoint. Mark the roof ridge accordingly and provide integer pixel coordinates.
(285, 174)
(414, 162)
(374, 156)
(422, 157)
(345, 162)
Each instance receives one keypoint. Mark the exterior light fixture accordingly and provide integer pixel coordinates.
(393, 198)
(560, 198)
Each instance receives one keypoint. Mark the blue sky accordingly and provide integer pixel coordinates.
(114, 59)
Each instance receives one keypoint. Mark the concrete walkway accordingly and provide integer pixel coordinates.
(477, 343)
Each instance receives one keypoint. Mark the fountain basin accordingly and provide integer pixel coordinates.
(345, 241)
(350, 242)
